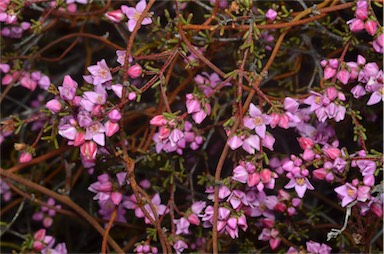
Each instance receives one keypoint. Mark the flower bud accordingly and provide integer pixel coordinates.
(135, 71)
(114, 115)
(356, 25)
(89, 150)
(115, 16)
(271, 14)
(371, 27)
(54, 106)
(25, 157)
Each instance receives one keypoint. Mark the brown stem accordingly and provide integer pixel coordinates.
(106, 233)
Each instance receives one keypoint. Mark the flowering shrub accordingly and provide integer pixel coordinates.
(191, 126)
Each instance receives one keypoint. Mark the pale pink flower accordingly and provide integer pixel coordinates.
(133, 14)
(100, 72)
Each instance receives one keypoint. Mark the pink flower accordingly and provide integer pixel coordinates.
(182, 226)
(96, 132)
(378, 43)
(300, 183)
(347, 192)
(257, 120)
(100, 72)
(179, 245)
(104, 190)
(158, 120)
(133, 14)
(270, 235)
(160, 208)
(27, 82)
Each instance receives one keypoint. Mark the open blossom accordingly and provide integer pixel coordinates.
(271, 235)
(182, 226)
(347, 192)
(256, 120)
(95, 132)
(100, 72)
(133, 14)
(299, 181)
(46, 214)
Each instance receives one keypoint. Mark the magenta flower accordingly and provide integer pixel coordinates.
(257, 120)
(271, 14)
(100, 72)
(54, 106)
(133, 14)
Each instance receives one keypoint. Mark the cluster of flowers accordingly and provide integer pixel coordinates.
(86, 118)
(46, 214)
(44, 243)
(171, 138)
(365, 20)
(368, 76)
(13, 29)
(27, 79)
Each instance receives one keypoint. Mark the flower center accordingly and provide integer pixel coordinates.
(99, 99)
(300, 181)
(318, 100)
(136, 16)
(258, 121)
(103, 73)
(350, 192)
(94, 128)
